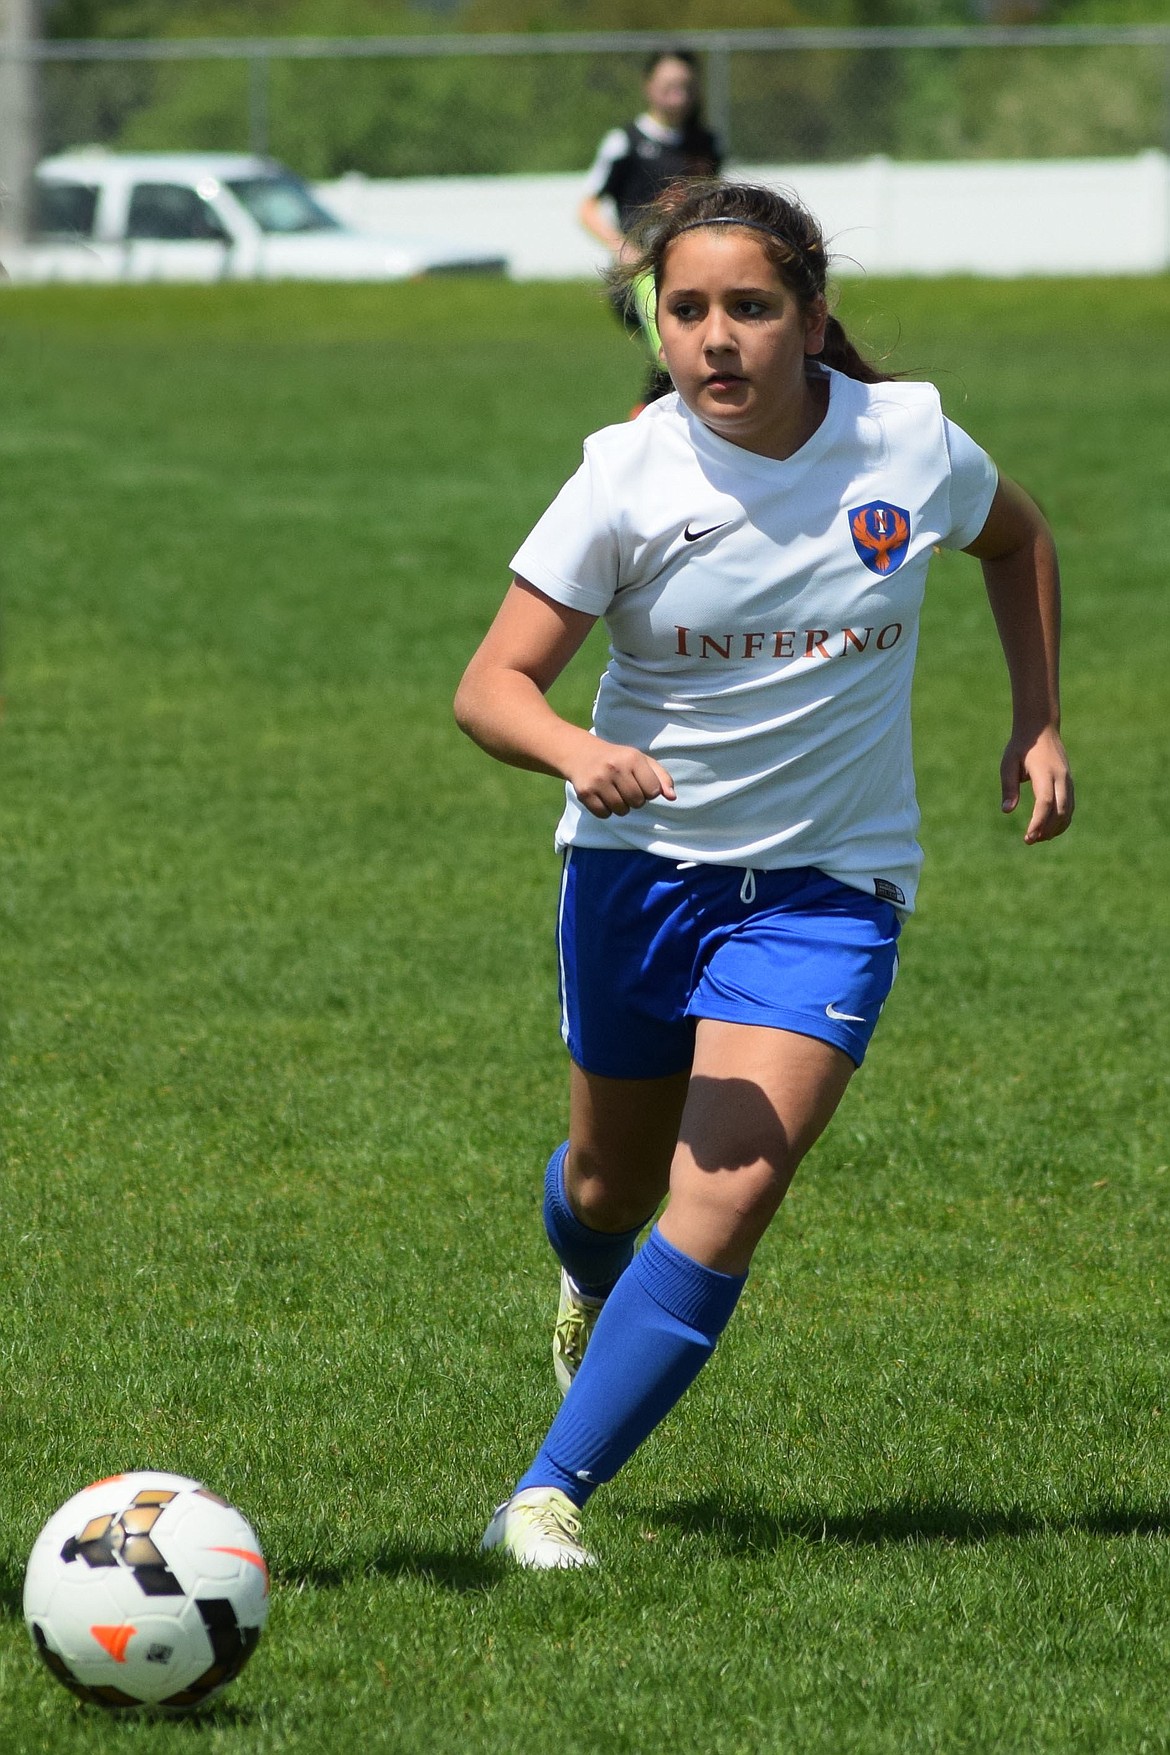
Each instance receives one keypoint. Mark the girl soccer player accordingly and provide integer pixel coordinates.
(634, 164)
(738, 839)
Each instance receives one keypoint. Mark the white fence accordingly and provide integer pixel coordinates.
(1061, 216)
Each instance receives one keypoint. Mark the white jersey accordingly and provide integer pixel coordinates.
(763, 622)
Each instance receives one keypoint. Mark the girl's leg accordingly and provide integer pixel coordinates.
(608, 1178)
(622, 1135)
(601, 1187)
(758, 1098)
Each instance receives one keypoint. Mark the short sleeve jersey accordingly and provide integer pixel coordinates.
(636, 163)
(763, 623)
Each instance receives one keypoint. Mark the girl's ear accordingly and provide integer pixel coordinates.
(815, 322)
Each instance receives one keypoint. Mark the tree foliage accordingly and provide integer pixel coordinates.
(417, 116)
(151, 18)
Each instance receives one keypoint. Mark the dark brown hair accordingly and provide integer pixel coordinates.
(694, 132)
(788, 234)
(654, 61)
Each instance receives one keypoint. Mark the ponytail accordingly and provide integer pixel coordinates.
(840, 353)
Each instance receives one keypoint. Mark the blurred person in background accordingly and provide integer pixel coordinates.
(634, 164)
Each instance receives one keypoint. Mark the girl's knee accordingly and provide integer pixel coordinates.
(605, 1198)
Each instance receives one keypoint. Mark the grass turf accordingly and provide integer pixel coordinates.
(282, 1069)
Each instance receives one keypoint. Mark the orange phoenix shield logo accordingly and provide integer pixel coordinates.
(881, 535)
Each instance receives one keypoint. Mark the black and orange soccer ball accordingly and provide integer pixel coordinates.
(146, 1589)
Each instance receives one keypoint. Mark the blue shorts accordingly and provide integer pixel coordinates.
(647, 946)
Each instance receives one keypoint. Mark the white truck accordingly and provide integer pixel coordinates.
(201, 216)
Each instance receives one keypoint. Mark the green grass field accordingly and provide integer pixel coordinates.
(282, 1066)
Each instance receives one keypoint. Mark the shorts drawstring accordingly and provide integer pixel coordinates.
(747, 889)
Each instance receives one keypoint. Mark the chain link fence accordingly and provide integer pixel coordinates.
(425, 106)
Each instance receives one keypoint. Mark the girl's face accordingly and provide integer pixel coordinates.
(670, 92)
(736, 339)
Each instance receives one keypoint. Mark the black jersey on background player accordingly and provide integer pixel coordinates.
(636, 162)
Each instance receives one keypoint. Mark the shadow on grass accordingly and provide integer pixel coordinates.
(202, 1721)
(450, 1569)
(744, 1528)
(11, 1590)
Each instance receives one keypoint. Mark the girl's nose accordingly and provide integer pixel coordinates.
(717, 332)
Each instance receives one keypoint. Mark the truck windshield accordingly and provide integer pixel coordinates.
(282, 204)
(63, 210)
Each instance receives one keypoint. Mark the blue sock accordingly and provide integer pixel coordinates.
(658, 1328)
(594, 1259)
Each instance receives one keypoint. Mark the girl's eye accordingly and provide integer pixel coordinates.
(751, 308)
(684, 311)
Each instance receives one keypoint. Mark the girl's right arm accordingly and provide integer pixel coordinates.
(596, 221)
(501, 705)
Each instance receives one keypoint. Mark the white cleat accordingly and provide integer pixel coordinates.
(576, 1315)
(541, 1529)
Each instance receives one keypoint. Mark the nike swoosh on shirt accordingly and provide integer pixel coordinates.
(842, 1017)
(690, 535)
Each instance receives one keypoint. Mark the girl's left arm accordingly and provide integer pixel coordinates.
(1022, 577)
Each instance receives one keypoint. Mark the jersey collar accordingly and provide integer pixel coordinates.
(710, 444)
(645, 124)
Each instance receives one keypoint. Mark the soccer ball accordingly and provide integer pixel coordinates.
(146, 1589)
